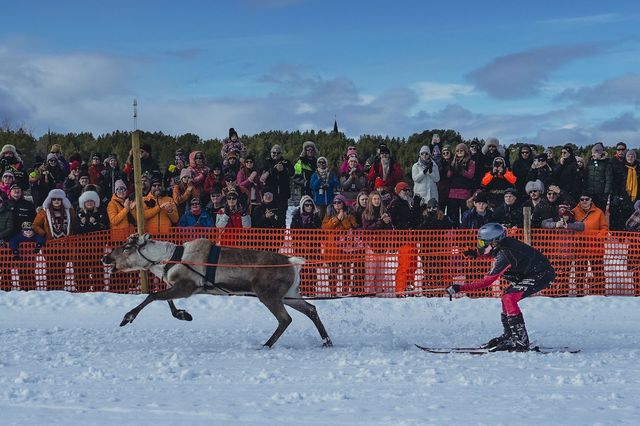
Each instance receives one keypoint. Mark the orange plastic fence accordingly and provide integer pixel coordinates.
(347, 263)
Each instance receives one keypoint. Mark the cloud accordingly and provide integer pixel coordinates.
(603, 18)
(429, 91)
(624, 122)
(523, 74)
(623, 90)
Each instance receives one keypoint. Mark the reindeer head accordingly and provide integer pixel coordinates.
(132, 255)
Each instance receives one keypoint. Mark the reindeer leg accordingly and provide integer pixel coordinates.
(310, 311)
(180, 289)
(278, 310)
(180, 314)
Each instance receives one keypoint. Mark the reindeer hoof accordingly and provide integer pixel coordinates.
(128, 318)
(183, 315)
(327, 343)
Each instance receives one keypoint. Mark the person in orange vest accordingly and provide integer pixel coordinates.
(160, 211)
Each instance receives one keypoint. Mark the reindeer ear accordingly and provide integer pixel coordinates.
(145, 237)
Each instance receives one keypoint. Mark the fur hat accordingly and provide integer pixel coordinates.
(598, 148)
(400, 186)
(51, 156)
(10, 148)
(307, 144)
(304, 199)
(535, 185)
(185, 173)
(56, 148)
(56, 193)
(89, 196)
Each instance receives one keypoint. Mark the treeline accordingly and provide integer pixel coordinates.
(330, 145)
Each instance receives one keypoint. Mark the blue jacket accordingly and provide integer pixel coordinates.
(323, 196)
(188, 219)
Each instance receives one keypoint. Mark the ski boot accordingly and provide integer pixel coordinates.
(518, 340)
(505, 334)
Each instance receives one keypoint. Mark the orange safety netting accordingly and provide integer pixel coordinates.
(347, 263)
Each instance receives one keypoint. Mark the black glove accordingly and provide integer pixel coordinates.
(16, 255)
(452, 289)
(472, 253)
(150, 203)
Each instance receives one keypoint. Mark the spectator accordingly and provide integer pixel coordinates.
(232, 144)
(352, 180)
(89, 218)
(56, 149)
(23, 210)
(374, 216)
(426, 175)
(233, 214)
(26, 269)
(563, 218)
(434, 218)
(444, 184)
(492, 150)
(521, 169)
(586, 211)
(305, 167)
(509, 213)
(95, 169)
(594, 220)
(249, 179)
(49, 176)
(147, 163)
(361, 204)
(196, 216)
(277, 178)
(475, 151)
(53, 221)
(404, 210)
(618, 169)
(231, 185)
(633, 223)
(199, 170)
(306, 216)
(120, 212)
(184, 191)
(146, 183)
(541, 170)
(7, 225)
(598, 185)
(548, 206)
(108, 177)
(567, 174)
(624, 197)
(385, 168)
(76, 183)
(160, 211)
(7, 181)
(351, 152)
(324, 183)
(216, 202)
(172, 174)
(233, 165)
(535, 189)
(214, 181)
(266, 214)
(479, 215)
(10, 161)
(495, 181)
(461, 174)
(338, 216)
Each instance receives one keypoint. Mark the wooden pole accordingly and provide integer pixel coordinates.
(137, 180)
(526, 211)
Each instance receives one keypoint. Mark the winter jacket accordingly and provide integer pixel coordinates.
(121, 220)
(567, 176)
(404, 216)
(509, 215)
(521, 168)
(301, 220)
(237, 219)
(90, 221)
(394, 175)
(203, 219)
(472, 220)
(599, 178)
(593, 219)
(324, 191)
(23, 211)
(425, 181)
(7, 227)
(462, 183)
(278, 183)
(303, 169)
(259, 218)
(156, 218)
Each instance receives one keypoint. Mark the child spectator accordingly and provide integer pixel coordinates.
(196, 215)
(232, 144)
(26, 268)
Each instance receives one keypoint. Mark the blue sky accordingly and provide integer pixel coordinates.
(543, 72)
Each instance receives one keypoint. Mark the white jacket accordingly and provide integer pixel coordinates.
(424, 184)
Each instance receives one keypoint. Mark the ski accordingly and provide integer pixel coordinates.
(482, 351)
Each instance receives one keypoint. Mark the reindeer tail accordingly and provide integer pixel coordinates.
(297, 263)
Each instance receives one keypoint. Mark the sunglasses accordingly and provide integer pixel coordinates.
(459, 150)
(121, 189)
(535, 190)
(432, 208)
(585, 199)
(338, 202)
(248, 161)
(424, 153)
(53, 160)
(552, 193)
(525, 153)
(621, 149)
(308, 205)
(195, 204)
(276, 152)
(199, 157)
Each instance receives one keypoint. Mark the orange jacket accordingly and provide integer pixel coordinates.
(332, 222)
(156, 219)
(119, 219)
(42, 227)
(594, 219)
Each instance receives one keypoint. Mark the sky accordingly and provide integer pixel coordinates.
(543, 72)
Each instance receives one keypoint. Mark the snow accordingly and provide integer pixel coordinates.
(64, 360)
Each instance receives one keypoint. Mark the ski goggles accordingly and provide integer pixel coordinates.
(482, 243)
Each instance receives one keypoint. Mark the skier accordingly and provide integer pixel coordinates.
(528, 271)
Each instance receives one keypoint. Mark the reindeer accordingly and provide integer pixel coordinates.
(185, 271)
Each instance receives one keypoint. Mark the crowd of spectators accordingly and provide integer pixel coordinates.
(462, 186)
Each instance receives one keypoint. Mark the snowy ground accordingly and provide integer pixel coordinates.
(64, 360)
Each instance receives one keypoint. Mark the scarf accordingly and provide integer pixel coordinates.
(323, 173)
(632, 182)
(385, 163)
(60, 224)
